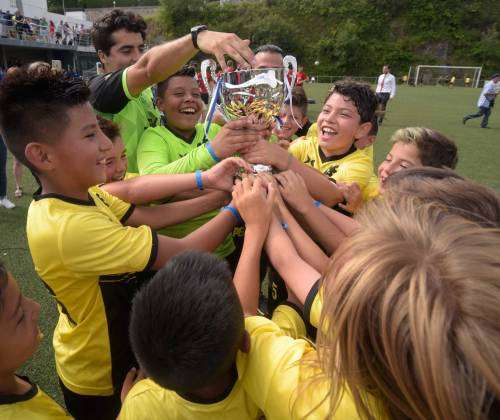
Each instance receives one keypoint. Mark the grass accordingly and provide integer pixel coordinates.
(435, 107)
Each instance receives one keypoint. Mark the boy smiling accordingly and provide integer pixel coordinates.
(88, 246)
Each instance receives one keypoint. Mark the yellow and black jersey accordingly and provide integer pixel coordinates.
(353, 166)
(32, 405)
(90, 262)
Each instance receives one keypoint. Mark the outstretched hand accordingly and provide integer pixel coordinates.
(254, 201)
(222, 43)
(294, 190)
(352, 195)
(221, 176)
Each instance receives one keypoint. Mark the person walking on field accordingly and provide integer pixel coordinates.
(386, 89)
(486, 101)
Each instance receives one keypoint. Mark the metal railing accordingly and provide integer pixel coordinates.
(38, 30)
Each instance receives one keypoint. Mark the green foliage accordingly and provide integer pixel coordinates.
(353, 36)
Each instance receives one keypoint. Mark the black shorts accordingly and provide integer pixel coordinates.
(91, 407)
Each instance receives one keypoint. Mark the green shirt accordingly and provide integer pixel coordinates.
(111, 99)
(161, 152)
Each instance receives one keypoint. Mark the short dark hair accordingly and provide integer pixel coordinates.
(103, 29)
(110, 129)
(375, 126)
(361, 94)
(434, 148)
(185, 71)
(299, 99)
(187, 324)
(34, 105)
(269, 48)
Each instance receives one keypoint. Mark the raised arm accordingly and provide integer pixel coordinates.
(164, 60)
(170, 214)
(320, 187)
(255, 206)
(295, 192)
(298, 275)
(148, 188)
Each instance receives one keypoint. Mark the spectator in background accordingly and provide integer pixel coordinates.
(486, 101)
(301, 77)
(4, 201)
(386, 89)
(44, 30)
(52, 31)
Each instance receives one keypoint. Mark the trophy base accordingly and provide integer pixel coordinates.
(259, 168)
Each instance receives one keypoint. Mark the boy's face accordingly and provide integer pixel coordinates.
(127, 49)
(401, 156)
(181, 103)
(339, 125)
(19, 332)
(290, 127)
(116, 161)
(77, 160)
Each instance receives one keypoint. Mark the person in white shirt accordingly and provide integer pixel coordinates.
(386, 89)
(486, 101)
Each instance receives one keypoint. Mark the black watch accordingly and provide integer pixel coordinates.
(195, 30)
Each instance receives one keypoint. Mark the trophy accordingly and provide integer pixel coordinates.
(256, 93)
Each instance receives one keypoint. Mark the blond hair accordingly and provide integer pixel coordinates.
(434, 148)
(411, 315)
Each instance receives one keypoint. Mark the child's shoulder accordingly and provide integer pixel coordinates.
(33, 404)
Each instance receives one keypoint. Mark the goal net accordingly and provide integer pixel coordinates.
(445, 75)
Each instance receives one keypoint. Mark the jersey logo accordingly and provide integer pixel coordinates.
(332, 170)
(310, 161)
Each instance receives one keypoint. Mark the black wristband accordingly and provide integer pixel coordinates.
(195, 30)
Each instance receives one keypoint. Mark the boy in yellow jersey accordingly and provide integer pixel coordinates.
(87, 246)
(345, 118)
(179, 145)
(188, 331)
(19, 339)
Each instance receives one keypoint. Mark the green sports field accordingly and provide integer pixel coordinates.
(440, 108)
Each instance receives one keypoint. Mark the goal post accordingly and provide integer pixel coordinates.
(446, 75)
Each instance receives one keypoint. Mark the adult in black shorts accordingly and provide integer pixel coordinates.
(386, 89)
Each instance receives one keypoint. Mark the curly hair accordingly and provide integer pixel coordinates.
(34, 105)
(109, 128)
(103, 29)
(361, 94)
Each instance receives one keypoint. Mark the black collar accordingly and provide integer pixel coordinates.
(335, 157)
(11, 399)
(37, 196)
(187, 140)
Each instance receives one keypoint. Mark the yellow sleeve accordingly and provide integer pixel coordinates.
(313, 130)
(298, 150)
(289, 319)
(119, 208)
(273, 371)
(372, 190)
(92, 244)
(313, 305)
(357, 169)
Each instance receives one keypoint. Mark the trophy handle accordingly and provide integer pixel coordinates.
(290, 60)
(208, 65)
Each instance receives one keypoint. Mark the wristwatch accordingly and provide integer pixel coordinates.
(195, 30)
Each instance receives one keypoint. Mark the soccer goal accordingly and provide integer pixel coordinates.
(445, 75)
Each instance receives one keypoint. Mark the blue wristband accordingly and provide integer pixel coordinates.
(212, 152)
(317, 203)
(233, 211)
(199, 181)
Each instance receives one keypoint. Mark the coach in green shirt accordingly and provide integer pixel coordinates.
(123, 92)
